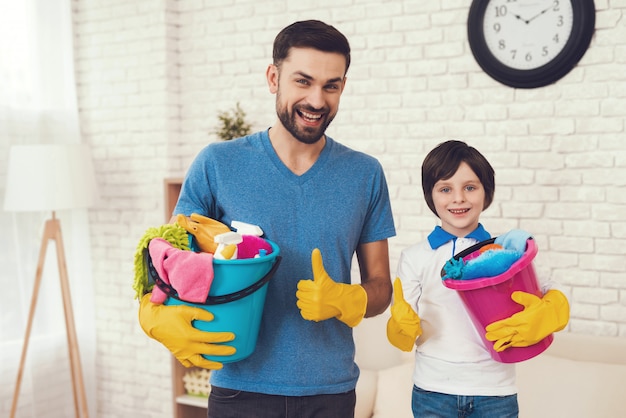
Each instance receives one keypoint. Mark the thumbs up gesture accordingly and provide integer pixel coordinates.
(404, 326)
(322, 298)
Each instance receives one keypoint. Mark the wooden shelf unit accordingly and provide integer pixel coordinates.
(171, 190)
(185, 406)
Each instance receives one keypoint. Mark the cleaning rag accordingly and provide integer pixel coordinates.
(189, 273)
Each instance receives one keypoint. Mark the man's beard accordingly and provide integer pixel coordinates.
(306, 135)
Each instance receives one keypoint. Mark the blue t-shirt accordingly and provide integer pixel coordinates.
(340, 202)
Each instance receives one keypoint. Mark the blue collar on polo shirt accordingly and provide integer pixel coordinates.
(439, 237)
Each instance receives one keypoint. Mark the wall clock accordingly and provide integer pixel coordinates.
(529, 43)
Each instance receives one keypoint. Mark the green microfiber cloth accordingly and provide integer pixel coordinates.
(172, 233)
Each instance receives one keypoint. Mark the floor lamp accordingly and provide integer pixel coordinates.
(51, 178)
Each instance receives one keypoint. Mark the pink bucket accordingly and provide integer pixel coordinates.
(488, 299)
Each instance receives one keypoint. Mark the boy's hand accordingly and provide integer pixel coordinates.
(403, 327)
(540, 318)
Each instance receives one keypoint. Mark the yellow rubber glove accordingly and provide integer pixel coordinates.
(203, 229)
(172, 327)
(540, 318)
(403, 327)
(322, 298)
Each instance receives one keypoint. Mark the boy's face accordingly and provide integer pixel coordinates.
(459, 201)
(308, 85)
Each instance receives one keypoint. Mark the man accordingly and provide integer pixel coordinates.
(314, 197)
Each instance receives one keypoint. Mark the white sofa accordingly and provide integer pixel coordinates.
(577, 376)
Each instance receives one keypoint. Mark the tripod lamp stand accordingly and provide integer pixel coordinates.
(51, 178)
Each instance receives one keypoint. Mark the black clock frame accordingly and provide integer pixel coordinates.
(583, 27)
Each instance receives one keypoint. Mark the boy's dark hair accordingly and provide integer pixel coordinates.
(442, 162)
(310, 34)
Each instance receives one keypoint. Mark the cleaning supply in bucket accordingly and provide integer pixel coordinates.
(202, 231)
(232, 288)
(488, 298)
(491, 259)
(189, 273)
(236, 300)
(489, 263)
(172, 233)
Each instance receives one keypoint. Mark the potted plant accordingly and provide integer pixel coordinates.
(232, 124)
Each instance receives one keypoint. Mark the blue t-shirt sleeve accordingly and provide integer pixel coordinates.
(379, 221)
(196, 195)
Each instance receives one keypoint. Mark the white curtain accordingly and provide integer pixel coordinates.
(38, 105)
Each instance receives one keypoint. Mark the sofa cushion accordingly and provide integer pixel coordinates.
(551, 386)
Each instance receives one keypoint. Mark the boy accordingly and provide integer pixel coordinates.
(454, 373)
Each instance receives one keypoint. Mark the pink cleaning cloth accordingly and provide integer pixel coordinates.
(189, 273)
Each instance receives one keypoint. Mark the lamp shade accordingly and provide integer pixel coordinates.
(49, 177)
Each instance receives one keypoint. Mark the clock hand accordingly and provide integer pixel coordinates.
(539, 14)
(518, 17)
(527, 21)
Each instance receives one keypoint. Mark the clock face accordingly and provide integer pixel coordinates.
(529, 43)
(527, 34)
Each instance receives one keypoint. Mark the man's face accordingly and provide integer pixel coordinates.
(308, 85)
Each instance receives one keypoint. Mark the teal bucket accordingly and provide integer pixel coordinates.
(236, 300)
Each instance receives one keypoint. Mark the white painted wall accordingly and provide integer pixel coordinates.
(153, 75)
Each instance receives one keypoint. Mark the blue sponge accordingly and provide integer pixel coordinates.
(490, 263)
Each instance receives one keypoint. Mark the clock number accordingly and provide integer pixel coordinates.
(500, 11)
(496, 27)
(501, 44)
(556, 7)
(556, 38)
(560, 21)
(528, 57)
(513, 54)
(544, 51)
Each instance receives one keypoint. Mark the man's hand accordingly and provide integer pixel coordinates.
(172, 327)
(540, 318)
(403, 327)
(322, 298)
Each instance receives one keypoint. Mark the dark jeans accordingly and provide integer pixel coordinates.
(227, 403)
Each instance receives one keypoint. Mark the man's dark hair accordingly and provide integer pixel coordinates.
(310, 34)
(442, 162)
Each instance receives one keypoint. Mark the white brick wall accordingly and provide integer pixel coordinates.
(153, 74)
